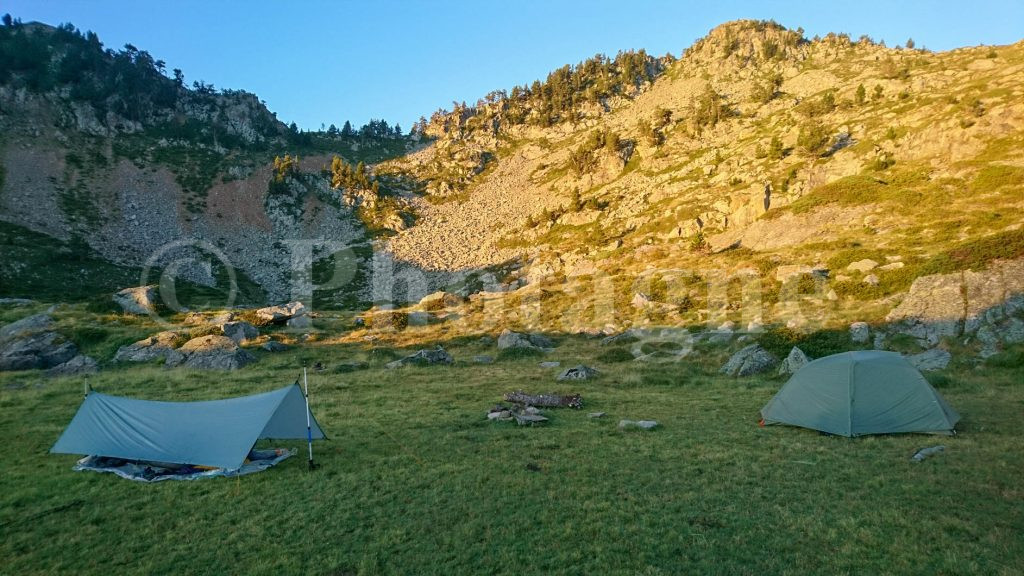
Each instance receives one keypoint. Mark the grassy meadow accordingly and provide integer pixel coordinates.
(415, 479)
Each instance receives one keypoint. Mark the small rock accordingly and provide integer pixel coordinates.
(299, 322)
(580, 372)
(596, 415)
(137, 300)
(752, 359)
(637, 424)
(274, 346)
(934, 359)
(440, 300)
(423, 357)
(550, 364)
(212, 353)
(529, 419)
(78, 365)
(531, 410)
(351, 366)
(871, 280)
(892, 266)
(509, 339)
(795, 361)
(483, 359)
(240, 332)
(860, 332)
(15, 301)
(865, 265)
(282, 313)
(159, 345)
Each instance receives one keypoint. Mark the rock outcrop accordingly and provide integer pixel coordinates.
(987, 305)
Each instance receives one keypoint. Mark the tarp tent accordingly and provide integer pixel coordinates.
(216, 433)
(858, 393)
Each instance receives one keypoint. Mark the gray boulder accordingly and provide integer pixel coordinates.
(31, 343)
(137, 300)
(509, 339)
(76, 366)
(860, 332)
(282, 313)
(750, 360)
(934, 359)
(580, 372)
(240, 332)
(36, 350)
(425, 357)
(213, 353)
(794, 361)
(159, 345)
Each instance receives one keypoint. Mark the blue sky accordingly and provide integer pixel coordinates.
(320, 61)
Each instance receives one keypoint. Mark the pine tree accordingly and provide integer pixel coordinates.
(861, 94)
(346, 130)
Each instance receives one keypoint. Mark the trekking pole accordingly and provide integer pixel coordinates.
(309, 428)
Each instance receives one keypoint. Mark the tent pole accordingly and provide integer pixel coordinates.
(309, 428)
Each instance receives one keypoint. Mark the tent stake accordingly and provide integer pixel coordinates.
(309, 429)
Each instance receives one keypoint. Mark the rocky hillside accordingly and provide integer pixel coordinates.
(758, 151)
(116, 159)
(832, 172)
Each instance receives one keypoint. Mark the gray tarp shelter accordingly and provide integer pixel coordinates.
(858, 393)
(217, 433)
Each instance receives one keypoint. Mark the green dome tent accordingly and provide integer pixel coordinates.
(858, 393)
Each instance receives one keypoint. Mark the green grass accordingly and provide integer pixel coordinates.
(416, 481)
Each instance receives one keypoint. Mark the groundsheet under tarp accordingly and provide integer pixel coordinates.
(258, 461)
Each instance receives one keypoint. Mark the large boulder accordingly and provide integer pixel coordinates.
(213, 353)
(137, 300)
(793, 362)
(76, 366)
(750, 360)
(281, 314)
(31, 343)
(159, 345)
(509, 339)
(240, 332)
(425, 357)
